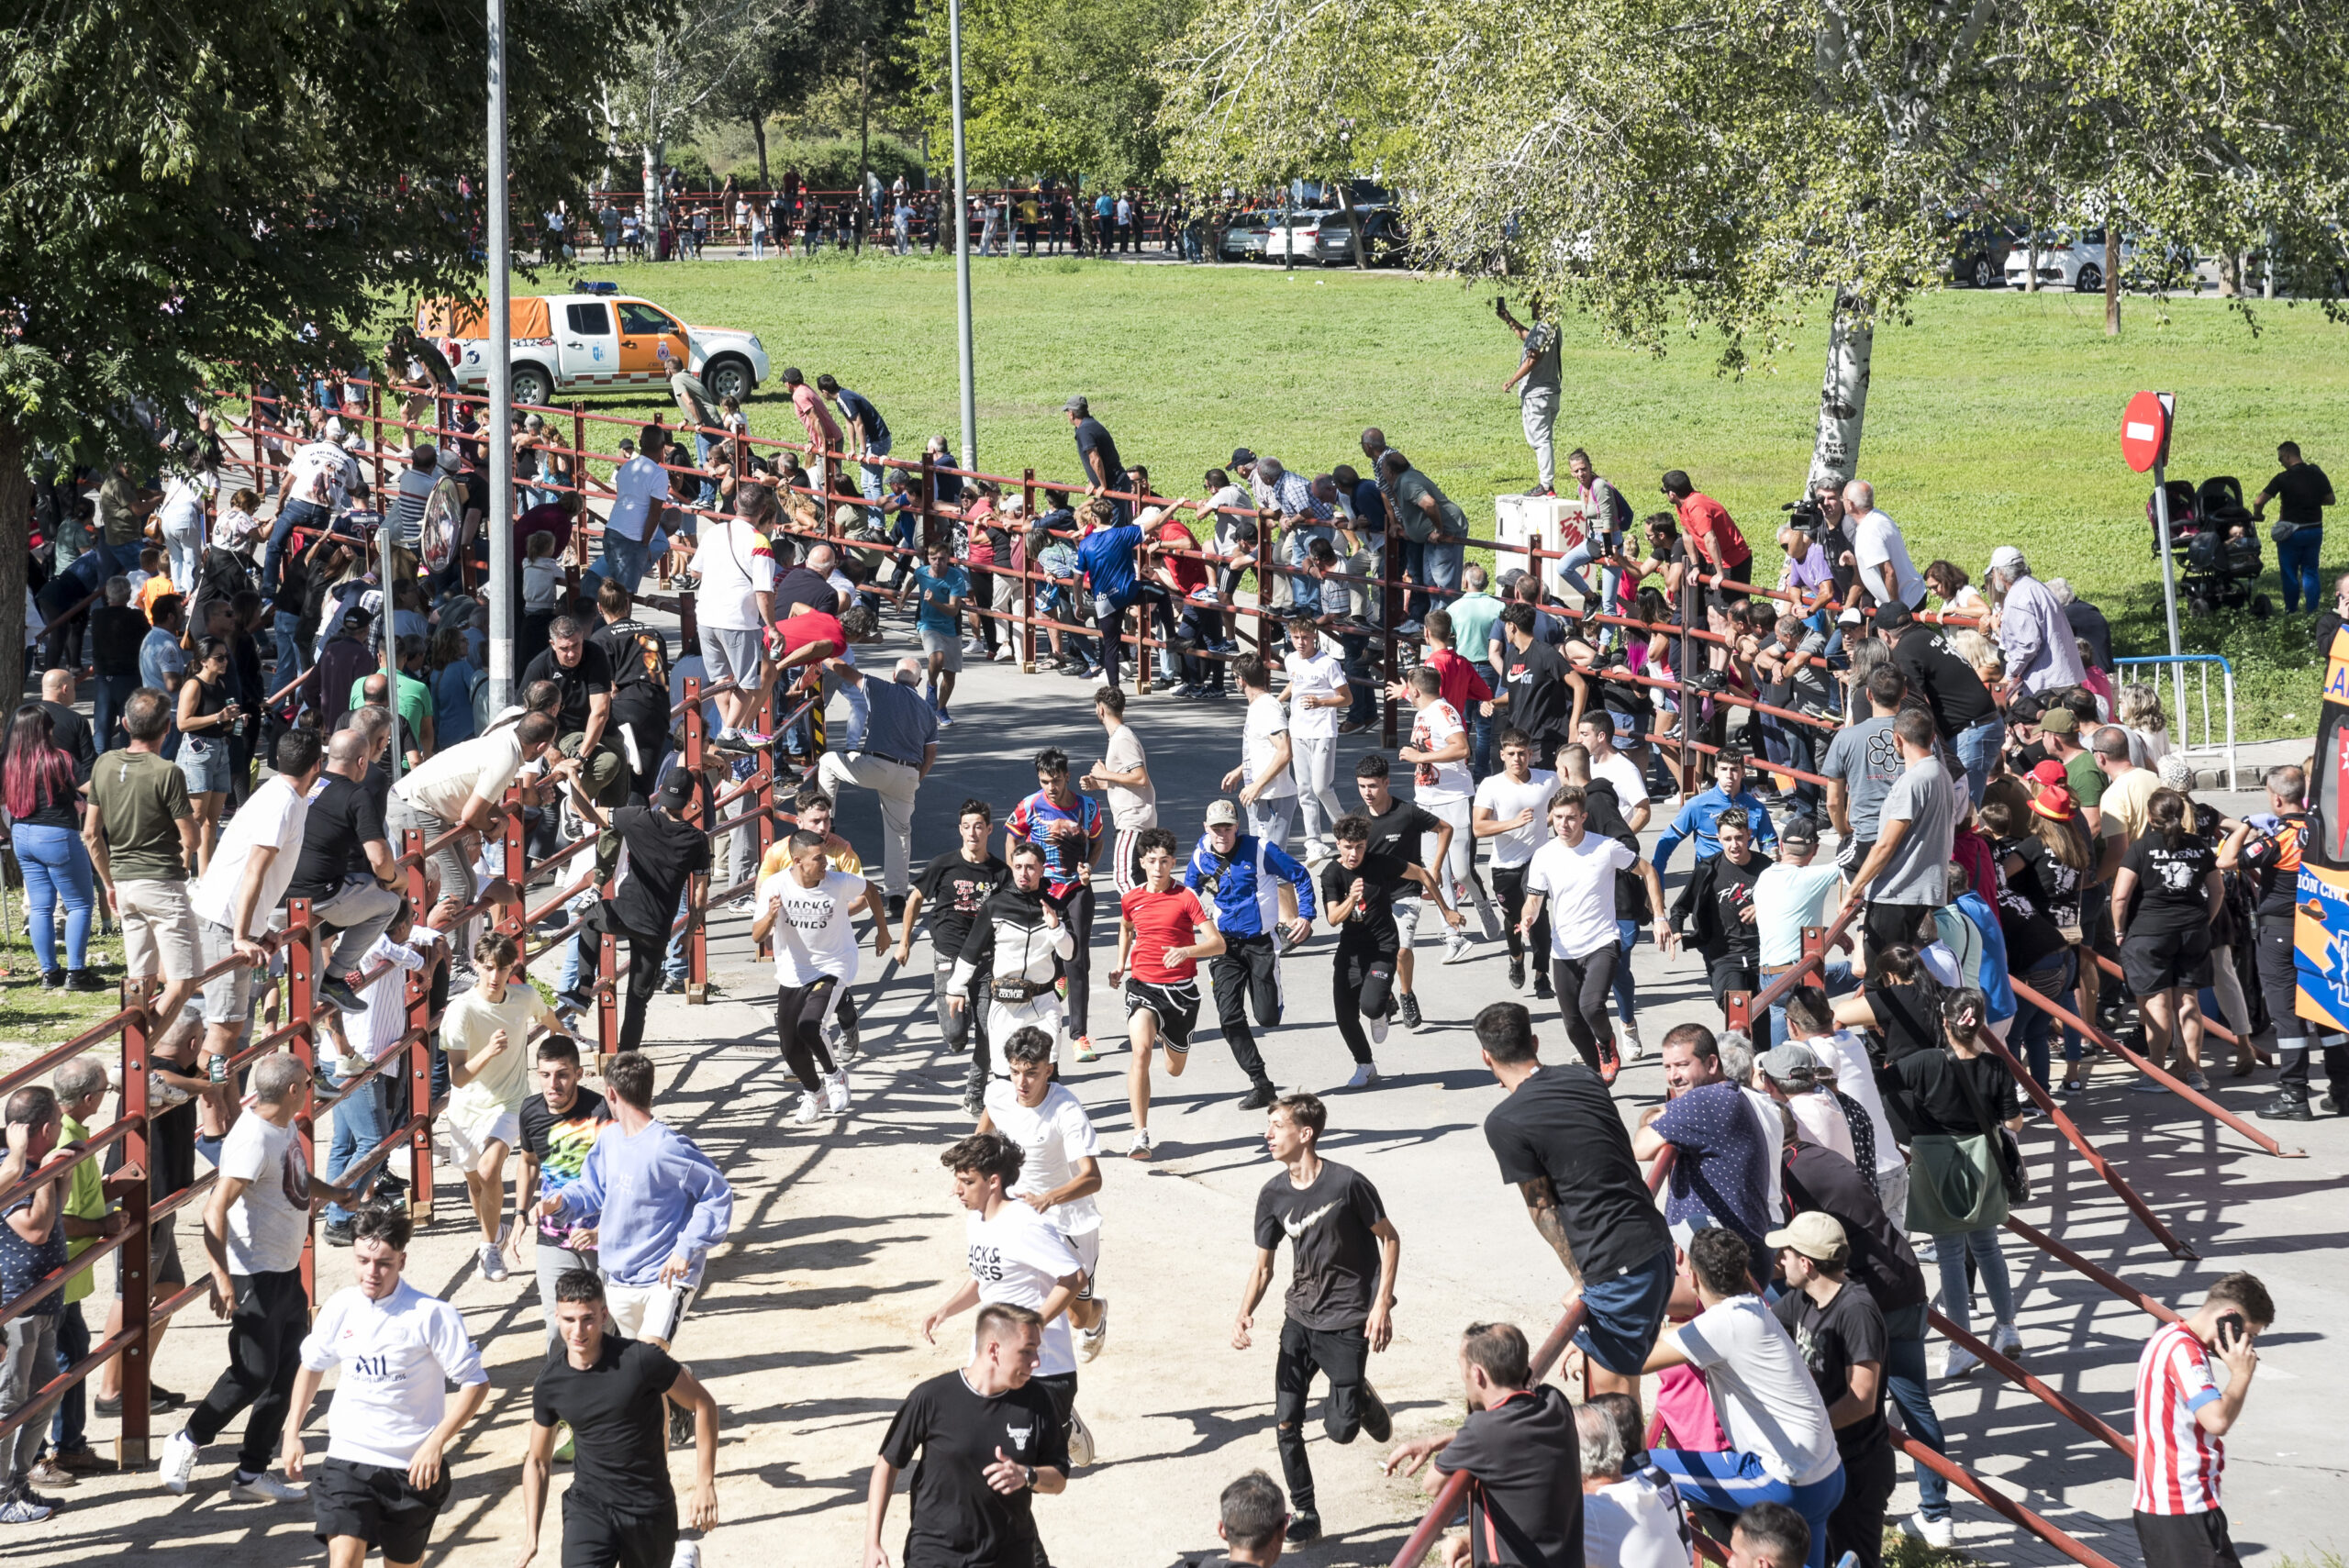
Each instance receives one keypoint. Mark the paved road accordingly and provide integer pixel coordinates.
(845, 1235)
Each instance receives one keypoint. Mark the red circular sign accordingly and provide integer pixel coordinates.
(2145, 430)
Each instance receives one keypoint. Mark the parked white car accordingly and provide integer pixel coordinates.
(2065, 260)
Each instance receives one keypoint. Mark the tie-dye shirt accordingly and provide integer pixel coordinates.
(560, 1141)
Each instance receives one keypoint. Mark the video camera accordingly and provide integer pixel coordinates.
(1804, 515)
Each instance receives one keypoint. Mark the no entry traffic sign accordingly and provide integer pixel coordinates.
(2145, 430)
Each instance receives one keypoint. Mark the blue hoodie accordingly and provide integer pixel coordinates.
(651, 1198)
(1241, 890)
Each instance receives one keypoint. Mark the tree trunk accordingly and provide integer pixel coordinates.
(759, 135)
(16, 552)
(1353, 221)
(1844, 391)
(655, 197)
(2112, 280)
(864, 121)
(2032, 285)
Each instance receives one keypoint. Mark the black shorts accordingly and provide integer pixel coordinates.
(2151, 961)
(2186, 1541)
(375, 1504)
(1176, 1006)
(595, 1535)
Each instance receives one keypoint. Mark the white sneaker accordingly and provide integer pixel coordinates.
(1080, 1440)
(1378, 1028)
(1491, 916)
(1627, 1044)
(812, 1109)
(179, 1461)
(1365, 1074)
(1960, 1361)
(687, 1555)
(835, 1092)
(1091, 1342)
(1458, 946)
(1940, 1533)
(1143, 1145)
(267, 1487)
(493, 1263)
(1004, 655)
(2006, 1340)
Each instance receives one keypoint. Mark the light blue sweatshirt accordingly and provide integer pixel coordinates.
(650, 1198)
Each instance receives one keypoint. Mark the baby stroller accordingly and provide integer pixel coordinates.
(2216, 545)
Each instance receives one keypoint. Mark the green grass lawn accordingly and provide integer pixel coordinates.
(1993, 418)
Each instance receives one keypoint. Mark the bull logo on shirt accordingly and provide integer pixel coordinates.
(1018, 1436)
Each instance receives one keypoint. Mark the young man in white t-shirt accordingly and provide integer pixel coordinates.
(1059, 1169)
(639, 489)
(1573, 878)
(254, 1226)
(1597, 735)
(242, 887)
(1512, 809)
(1317, 693)
(1124, 773)
(486, 1033)
(734, 602)
(1266, 777)
(1440, 785)
(385, 1480)
(808, 910)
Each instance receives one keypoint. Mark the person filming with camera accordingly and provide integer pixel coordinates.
(2192, 1381)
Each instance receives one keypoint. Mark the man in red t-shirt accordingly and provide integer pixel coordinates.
(809, 638)
(1713, 533)
(1159, 949)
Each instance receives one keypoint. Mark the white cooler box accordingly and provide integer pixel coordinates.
(1548, 522)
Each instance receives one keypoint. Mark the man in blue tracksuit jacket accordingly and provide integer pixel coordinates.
(1697, 819)
(1238, 876)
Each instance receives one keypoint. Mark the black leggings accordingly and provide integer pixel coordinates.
(1362, 986)
(645, 957)
(1583, 984)
(1079, 969)
(799, 1014)
(1508, 882)
(1112, 628)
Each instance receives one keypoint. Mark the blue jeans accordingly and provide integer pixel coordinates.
(56, 865)
(1304, 593)
(2296, 557)
(1583, 555)
(672, 963)
(1626, 990)
(1481, 765)
(871, 478)
(360, 1124)
(1957, 1300)
(1979, 749)
(1731, 1482)
(2034, 1028)
(1361, 677)
(624, 561)
(1441, 562)
(105, 708)
(1906, 1380)
(67, 1425)
(291, 515)
(1838, 973)
(703, 446)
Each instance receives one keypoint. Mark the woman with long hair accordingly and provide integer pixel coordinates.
(452, 686)
(2039, 953)
(208, 713)
(2165, 897)
(1957, 1101)
(45, 827)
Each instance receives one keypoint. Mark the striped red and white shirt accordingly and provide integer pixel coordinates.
(2177, 1461)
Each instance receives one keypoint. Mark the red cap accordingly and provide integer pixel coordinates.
(2050, 774)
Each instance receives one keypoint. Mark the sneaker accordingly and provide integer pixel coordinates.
(1348, 727)
(687, 1555)
(1004, 655)
(1628, 1042)
(1083, 1048)
(1143, 1145)
(1080, 1440)
(756, 739)
(1377, 1423)
(1517, 974)
(1960, 1361)
(812, 1109)
(1409, 1007)
(2006, 1340)
(340, 992)
(896, 907)
(52, 1474)
(945, 719)
(179, 1461)
(835, 1092)
(1489, 915)
(52, 980)
(83, 980)
(2327, 1107)
(1459, 946)
(1259, 1098)
(82, 1461)
(493, 1263)
(1379, 1027)
(1366, 1075)
(266, 1487)
(1542, 991)
(338, 1232)
(680, 1427)
(2149, 1085)
(2197, 1081)
(2287, 1107)
(1940, 1533)
(1611, 1065)
(672, 985)
(1304, 1527)
(1091, 1342)
(27, 1510)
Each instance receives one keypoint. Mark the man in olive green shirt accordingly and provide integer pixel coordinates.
(415, 708)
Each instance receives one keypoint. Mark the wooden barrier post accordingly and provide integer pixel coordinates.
(418, 995)
(607, 1002)
(1391, 603)
(301, 1003)
(1028, 570)
(1688, 765)
(929, 504)
(517, 872)
(132, 1448)
(696, 934)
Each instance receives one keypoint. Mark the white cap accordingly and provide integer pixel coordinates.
(2006, 558)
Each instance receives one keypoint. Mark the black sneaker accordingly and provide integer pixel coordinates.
(1259, 1098)
(2327, 1105)
(1304, 1527)
(1541, 991)
(52, 980)
(1376, 1420)
(1408, 1009)
(1517, 974)
(896, 907)
(2287, 1106)
(338, 1232)
(83, 980)
(340, 992)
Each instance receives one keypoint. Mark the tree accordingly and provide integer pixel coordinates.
(207, 189)
(667, 77)
(1723, 170)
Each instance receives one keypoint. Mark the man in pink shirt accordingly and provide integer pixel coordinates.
(823, 430)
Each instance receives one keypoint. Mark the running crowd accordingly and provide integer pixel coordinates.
(2005, 818)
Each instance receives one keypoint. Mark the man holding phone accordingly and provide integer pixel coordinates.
(2184, 1407)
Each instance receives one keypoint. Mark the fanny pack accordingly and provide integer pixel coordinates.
(1017, 990)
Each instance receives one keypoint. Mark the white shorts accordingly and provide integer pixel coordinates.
(647, 1312)
(730, 655)
(469, 1140)
(1087, 1248)
(1407, 919)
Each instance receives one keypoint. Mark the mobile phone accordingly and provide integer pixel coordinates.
(2232, 1330)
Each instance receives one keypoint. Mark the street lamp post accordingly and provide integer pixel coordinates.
(498, 329)
(962, 239)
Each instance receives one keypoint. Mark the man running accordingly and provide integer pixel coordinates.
(1572, 879)
(384, 1482)
(1402, 829)
(622, 1509)
(808, 910)
(559, 1124)
(485, 1031)
(1159, 947)
(1060, 1168)
(1362, 894)
(989, 1444)
(1243, 876)
(954, 887)
(1441, 782)
(1124, 771)
(1510, 808)
(1067, 826)
(1013, 952)
(1020, 1257)
(1341, 1299)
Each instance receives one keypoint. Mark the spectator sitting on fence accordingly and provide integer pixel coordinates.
(582, 673)
(1632, 1513)
(1517, 1445)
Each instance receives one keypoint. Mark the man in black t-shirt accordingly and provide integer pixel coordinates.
(1340, 1299)
(660, 850)
(954, 887)
(2304, 493)
(1715, 910)
(622, 1510)
(1097, 454)
(582, 674)
(1559, 1140)
(1535, 692)
(1839, 1331)
(1521, 1445)
(346, 867)
(1363, 896)
(639, 655)
(988, 1441)
(1401, 829)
